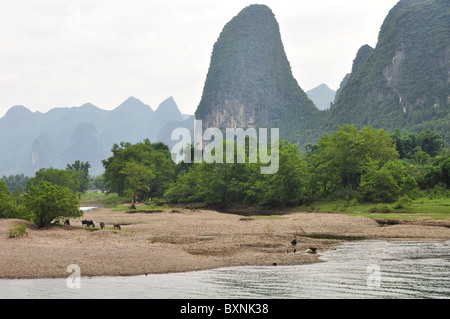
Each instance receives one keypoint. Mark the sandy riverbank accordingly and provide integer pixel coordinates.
(186, 240)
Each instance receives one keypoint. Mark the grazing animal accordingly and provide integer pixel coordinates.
(117, 226)
(294, 242)
(67, 222)
(88, 223)
(102, 225)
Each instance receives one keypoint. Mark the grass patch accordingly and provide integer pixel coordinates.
(389, 216)
(432, 206)
(117, 203)
(88, 196)
(332, 236)
(114, 230)
(336, 206)
(94, 198)
(269, 229)
(419, 209)
(140, 208)
(270, 217)
(200, 252)
(18, 230)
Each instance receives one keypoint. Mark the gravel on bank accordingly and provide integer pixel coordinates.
(187, 240)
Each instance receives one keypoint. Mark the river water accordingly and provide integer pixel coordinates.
(364, 269)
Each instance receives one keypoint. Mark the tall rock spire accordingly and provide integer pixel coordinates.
(250, 82)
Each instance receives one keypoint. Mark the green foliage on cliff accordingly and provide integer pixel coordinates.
(361, 57)
(403, 83)
(249, 66)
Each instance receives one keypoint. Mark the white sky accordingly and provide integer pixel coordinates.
(58, 53)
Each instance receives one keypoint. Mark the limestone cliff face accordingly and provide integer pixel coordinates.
(250, 82)
(404, 81)
(362, 55)
(86, 145)
(392, 71)
(234, 114)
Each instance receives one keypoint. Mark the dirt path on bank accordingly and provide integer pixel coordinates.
(185, 240)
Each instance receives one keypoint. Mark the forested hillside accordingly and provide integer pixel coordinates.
(404, 82)
(250, 82)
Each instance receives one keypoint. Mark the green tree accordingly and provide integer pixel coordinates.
(224, 184)
(387, 182)
(81, 170)
(410, 144)
(139, 178)
(183, 190)
(340, 158)
(47, 201)
(445, 167)
(7, 207)
(431, 142)
(214, 184)
(59, 177)
(288, 187)
(212, 181)
(15, 181)
(99, 183)
(407, 144)
(155, 156)
(16, 195)
(430, 171)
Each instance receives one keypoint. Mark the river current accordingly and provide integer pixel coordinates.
(364, 269)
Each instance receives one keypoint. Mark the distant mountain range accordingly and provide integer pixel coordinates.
(33, 140)
(322, 96)
(404, 82)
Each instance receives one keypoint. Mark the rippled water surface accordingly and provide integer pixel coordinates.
(368, 269)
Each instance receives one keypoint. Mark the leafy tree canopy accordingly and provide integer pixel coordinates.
(340, 158)
(59, 177)
(46, 202)
(7, 207)
(156, 157)
(81, 170)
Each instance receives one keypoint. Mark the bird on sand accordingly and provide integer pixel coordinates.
(294, 242)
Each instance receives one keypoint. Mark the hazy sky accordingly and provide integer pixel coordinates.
(57, 53)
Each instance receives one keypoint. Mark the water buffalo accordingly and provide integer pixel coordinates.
(117, 226)
(87, 223)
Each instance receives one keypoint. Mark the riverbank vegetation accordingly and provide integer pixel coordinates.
(353, 171)
(349, 167)
(50, 195)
